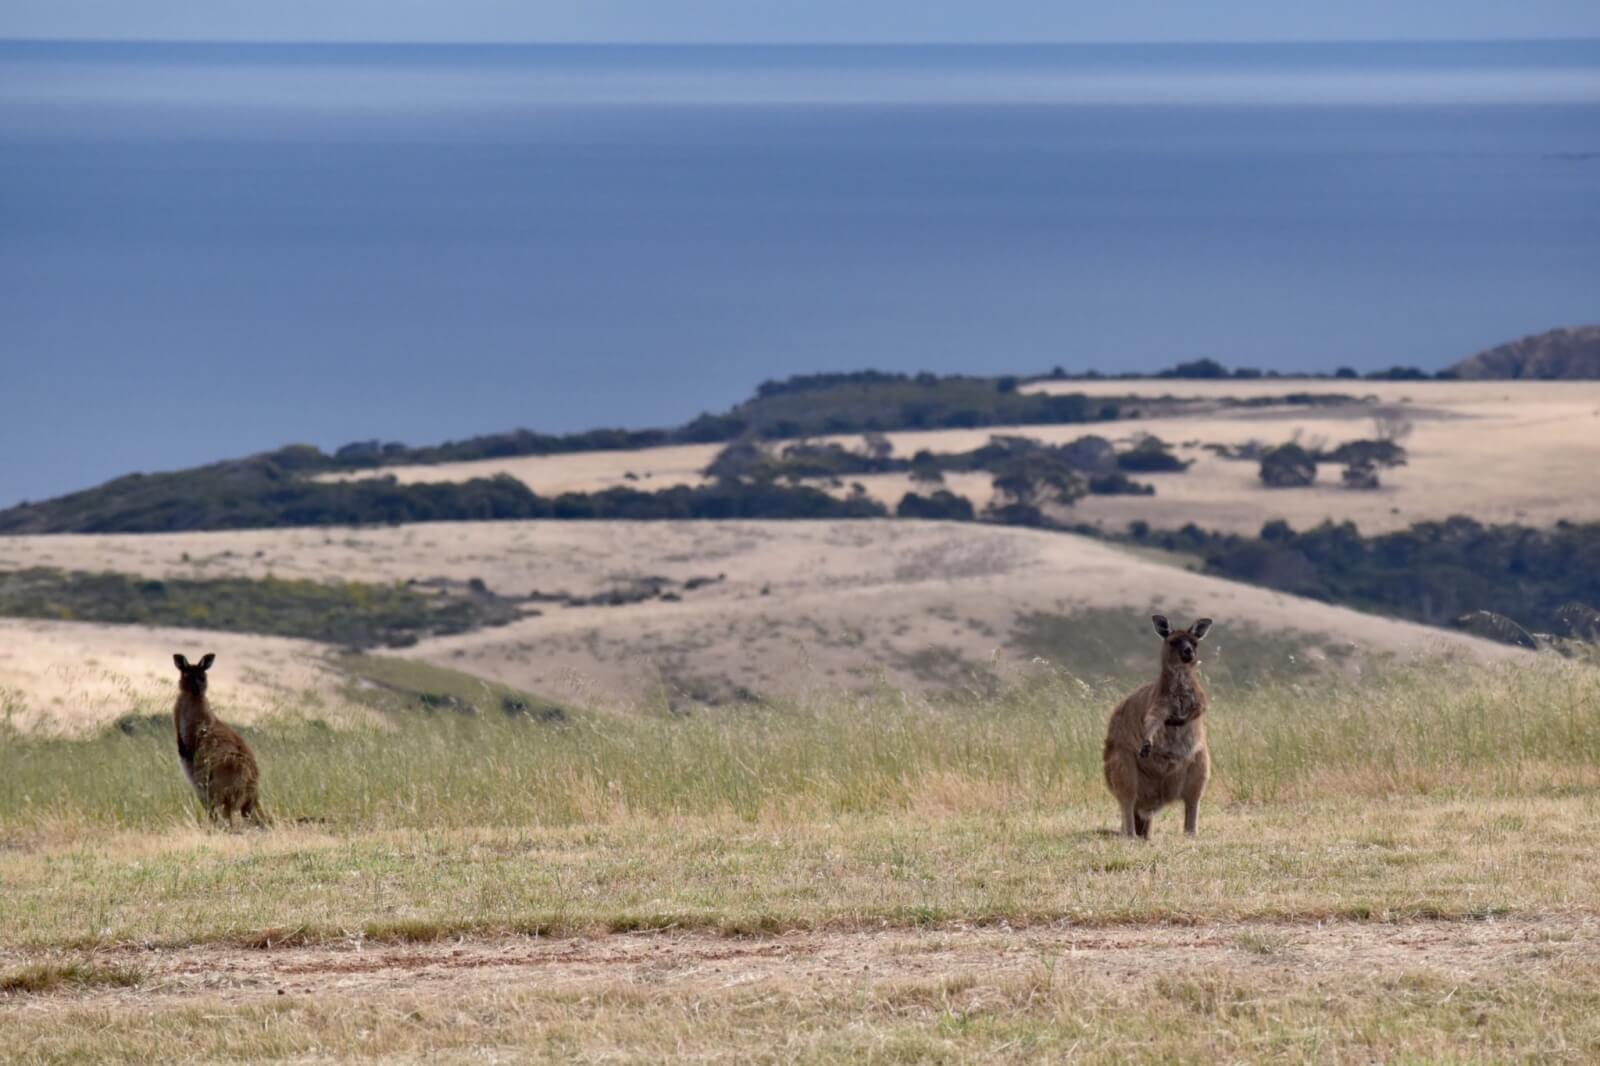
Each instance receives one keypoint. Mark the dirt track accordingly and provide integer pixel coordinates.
(821, 960)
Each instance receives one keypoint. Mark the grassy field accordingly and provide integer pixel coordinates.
(1398, 869)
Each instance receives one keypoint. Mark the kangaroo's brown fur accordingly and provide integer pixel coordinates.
(216, 760)
(1156, 743)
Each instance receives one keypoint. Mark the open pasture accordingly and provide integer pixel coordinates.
(1402, 863)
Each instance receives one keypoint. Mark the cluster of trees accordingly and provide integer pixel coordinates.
(270, 490)
(1294, 465)
(1090, 459)
(1210, 369)
(1438, 573)
(805, 405)
(1028, 475)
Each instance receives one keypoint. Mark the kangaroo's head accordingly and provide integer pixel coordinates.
(1180, 648)
(192, 676)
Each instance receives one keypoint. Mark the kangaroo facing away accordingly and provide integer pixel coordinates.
(1156, 743)
(216, 760)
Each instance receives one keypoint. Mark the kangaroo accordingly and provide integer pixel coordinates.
(1156, 742)
(216, 760)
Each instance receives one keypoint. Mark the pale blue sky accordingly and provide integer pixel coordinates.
(830, 21)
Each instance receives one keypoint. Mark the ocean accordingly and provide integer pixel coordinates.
(207, 250)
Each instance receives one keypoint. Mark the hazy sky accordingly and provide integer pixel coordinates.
(833, 21)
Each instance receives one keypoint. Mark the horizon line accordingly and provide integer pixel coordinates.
(930, 43)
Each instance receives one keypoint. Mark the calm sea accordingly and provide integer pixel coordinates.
(207, 250)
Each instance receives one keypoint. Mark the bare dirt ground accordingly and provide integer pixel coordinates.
(697, 961)
(790, 606)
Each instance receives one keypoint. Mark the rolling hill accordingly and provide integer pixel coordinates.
(1555, 355)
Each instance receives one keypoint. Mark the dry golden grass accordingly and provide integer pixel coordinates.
(802, 607)
(1343, 993)
(74, 678)
(1395, 860)
(1392, 869)
(1504, 452)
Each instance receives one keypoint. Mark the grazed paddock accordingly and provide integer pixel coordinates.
(1310, 992)
(864, 878)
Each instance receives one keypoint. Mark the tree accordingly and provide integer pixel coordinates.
(1199, 368)
(876, 445)
(737, 461)
(943, 505)
(1035, 478)
(1288, 466)
(925, 469)
(1091, 454)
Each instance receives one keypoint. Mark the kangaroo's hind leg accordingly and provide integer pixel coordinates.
(1130, 820)
(1193, 787)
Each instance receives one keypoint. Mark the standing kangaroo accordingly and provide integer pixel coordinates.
(216, 760)
(1156, 743)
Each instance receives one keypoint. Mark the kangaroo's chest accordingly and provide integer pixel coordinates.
(1181, 702)
(1172, 747)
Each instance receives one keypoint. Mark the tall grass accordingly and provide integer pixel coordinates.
(1439, 728)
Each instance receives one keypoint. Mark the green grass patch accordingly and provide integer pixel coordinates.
(68, 976)
(1113, 642)
(346, 613)
(409, 685)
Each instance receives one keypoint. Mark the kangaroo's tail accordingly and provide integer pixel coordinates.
(257, 815)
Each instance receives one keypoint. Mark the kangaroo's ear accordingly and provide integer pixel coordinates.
(1163, 627)
(183, 664)
(1199, 630)
(210, 657)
